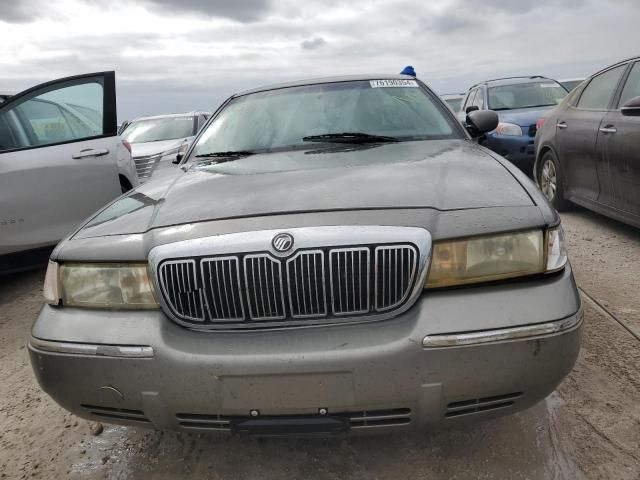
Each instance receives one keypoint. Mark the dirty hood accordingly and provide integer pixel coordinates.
(442, 175)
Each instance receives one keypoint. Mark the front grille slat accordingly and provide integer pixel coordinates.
(145, 166)
(180, 289)
(308, 286)
(306, 283)
(221, 280)
(390, 274)
(349, 280)
(263, 277)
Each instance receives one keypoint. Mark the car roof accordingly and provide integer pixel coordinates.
(496, 82)
(173, 115)
(613, 65)
(320, 80)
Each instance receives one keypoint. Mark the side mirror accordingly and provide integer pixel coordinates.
(179, 157)
(471, 108)
(481, 121)
(631, 108)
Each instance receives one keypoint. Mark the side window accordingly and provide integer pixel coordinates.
(45, 121)
(70, 113)
(598, 93)
(470, 99)
(632, 87)
(202, 119)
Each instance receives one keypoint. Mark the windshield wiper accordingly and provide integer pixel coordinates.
(230, 153)
(222, 157)
(350, 137)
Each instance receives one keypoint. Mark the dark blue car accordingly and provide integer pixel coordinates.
(520, 102)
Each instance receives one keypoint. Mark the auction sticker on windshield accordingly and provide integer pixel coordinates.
(393, 83)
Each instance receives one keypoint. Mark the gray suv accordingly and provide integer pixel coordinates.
(335, 256)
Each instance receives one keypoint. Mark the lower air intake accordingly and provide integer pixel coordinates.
(116, 413)
(479, 405)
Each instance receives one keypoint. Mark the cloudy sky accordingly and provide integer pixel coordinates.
(179, 55)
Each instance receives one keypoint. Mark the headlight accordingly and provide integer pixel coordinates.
(118, 286)
(496, 257)
(510, 129)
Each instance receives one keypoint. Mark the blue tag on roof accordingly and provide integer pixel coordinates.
(408, 70)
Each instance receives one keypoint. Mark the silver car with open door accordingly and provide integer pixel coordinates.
(60, 160)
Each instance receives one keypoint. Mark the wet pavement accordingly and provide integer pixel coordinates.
(588, 428)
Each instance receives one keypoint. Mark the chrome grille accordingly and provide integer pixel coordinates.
(350, 280)
(239, 281)
(263, 279)
(180, 289)
(395, 271)
(307, 294)
(146, 165)
(221, 281)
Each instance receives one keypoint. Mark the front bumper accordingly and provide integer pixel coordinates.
(140, 368)
(519, 150)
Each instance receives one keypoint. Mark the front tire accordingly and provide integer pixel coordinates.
(551, 181)
(125, 185)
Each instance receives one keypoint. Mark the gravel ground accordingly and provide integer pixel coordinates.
(588, 428)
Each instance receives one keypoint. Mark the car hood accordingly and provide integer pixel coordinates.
(523, 117)
(442, 175)
(146, 149)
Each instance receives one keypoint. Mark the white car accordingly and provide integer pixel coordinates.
(155, 141)
(453, 100)
(60, 161)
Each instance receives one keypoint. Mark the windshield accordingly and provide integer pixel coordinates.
(525, 95)
(277, 120)
(157, 129)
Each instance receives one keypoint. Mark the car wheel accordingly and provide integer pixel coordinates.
(125, 186)
(551, 182)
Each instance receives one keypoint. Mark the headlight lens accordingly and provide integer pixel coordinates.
(484, 259)
(115, 286)
(509, 129)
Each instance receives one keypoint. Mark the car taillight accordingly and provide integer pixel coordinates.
(127, 145)
(539, 123)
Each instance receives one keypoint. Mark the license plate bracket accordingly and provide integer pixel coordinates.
(275, 426)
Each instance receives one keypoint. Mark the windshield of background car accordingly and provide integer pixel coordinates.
(525, 95)
(454, 103)
(278, 120)
(157, 129)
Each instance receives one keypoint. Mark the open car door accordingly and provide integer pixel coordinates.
(58, 160)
